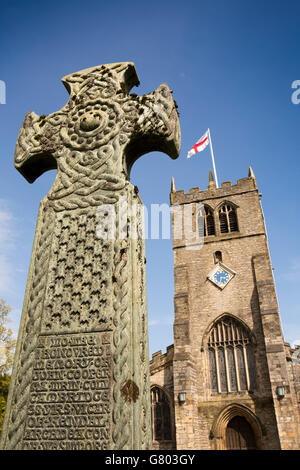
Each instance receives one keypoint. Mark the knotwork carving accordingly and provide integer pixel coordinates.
(79, 277)
(88, 138)
(121, 431)
(32, 328)
(82, 290)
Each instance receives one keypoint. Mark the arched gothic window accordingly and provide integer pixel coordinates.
(228, 219)
(231, 360)
(206, 222)
(161, 419)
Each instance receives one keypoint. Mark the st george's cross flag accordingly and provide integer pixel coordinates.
(200, 145)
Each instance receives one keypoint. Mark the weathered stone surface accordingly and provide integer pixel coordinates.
(81, 378)
(201, 422)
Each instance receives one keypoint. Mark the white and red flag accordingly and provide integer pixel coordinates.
(200, 145)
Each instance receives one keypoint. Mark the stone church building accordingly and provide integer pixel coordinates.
(229, 381)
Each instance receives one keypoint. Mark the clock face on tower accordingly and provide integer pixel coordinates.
(220, 275)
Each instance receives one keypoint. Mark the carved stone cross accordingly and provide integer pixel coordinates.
(81, 374)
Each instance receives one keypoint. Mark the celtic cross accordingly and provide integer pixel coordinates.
(81, 374)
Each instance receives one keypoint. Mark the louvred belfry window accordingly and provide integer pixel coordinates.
(161, 419)
(206, 222)
(231, 359)
(228, 219)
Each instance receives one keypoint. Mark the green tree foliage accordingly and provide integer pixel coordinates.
(4, 384)
(7, 343)
(7, 350)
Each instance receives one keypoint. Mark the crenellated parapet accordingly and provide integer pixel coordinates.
(161, 360)
(212, 192)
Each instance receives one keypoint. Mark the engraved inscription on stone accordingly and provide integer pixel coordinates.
(86, 290)
(69, 403)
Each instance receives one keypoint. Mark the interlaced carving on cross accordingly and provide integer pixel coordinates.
(96, 137)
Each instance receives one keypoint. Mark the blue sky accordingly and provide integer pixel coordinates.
(231, 65)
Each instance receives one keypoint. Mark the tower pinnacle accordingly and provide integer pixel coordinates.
(173, 187)
(211, 181)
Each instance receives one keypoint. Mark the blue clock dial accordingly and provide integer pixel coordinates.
(221, 277)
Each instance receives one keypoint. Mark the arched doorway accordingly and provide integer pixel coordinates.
(236, 427)
(239, 435)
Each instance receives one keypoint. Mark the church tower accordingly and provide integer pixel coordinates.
(231, 381)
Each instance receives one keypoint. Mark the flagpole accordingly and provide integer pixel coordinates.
(213, 158)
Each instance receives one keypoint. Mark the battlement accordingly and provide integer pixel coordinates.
(212, 192)
(160, 360)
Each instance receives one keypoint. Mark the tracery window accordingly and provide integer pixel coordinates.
(228, 219)
(231, 360)
(206, 222)
(161, 419)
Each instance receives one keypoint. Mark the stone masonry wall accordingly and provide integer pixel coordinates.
(250, 297)
(161, 375)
